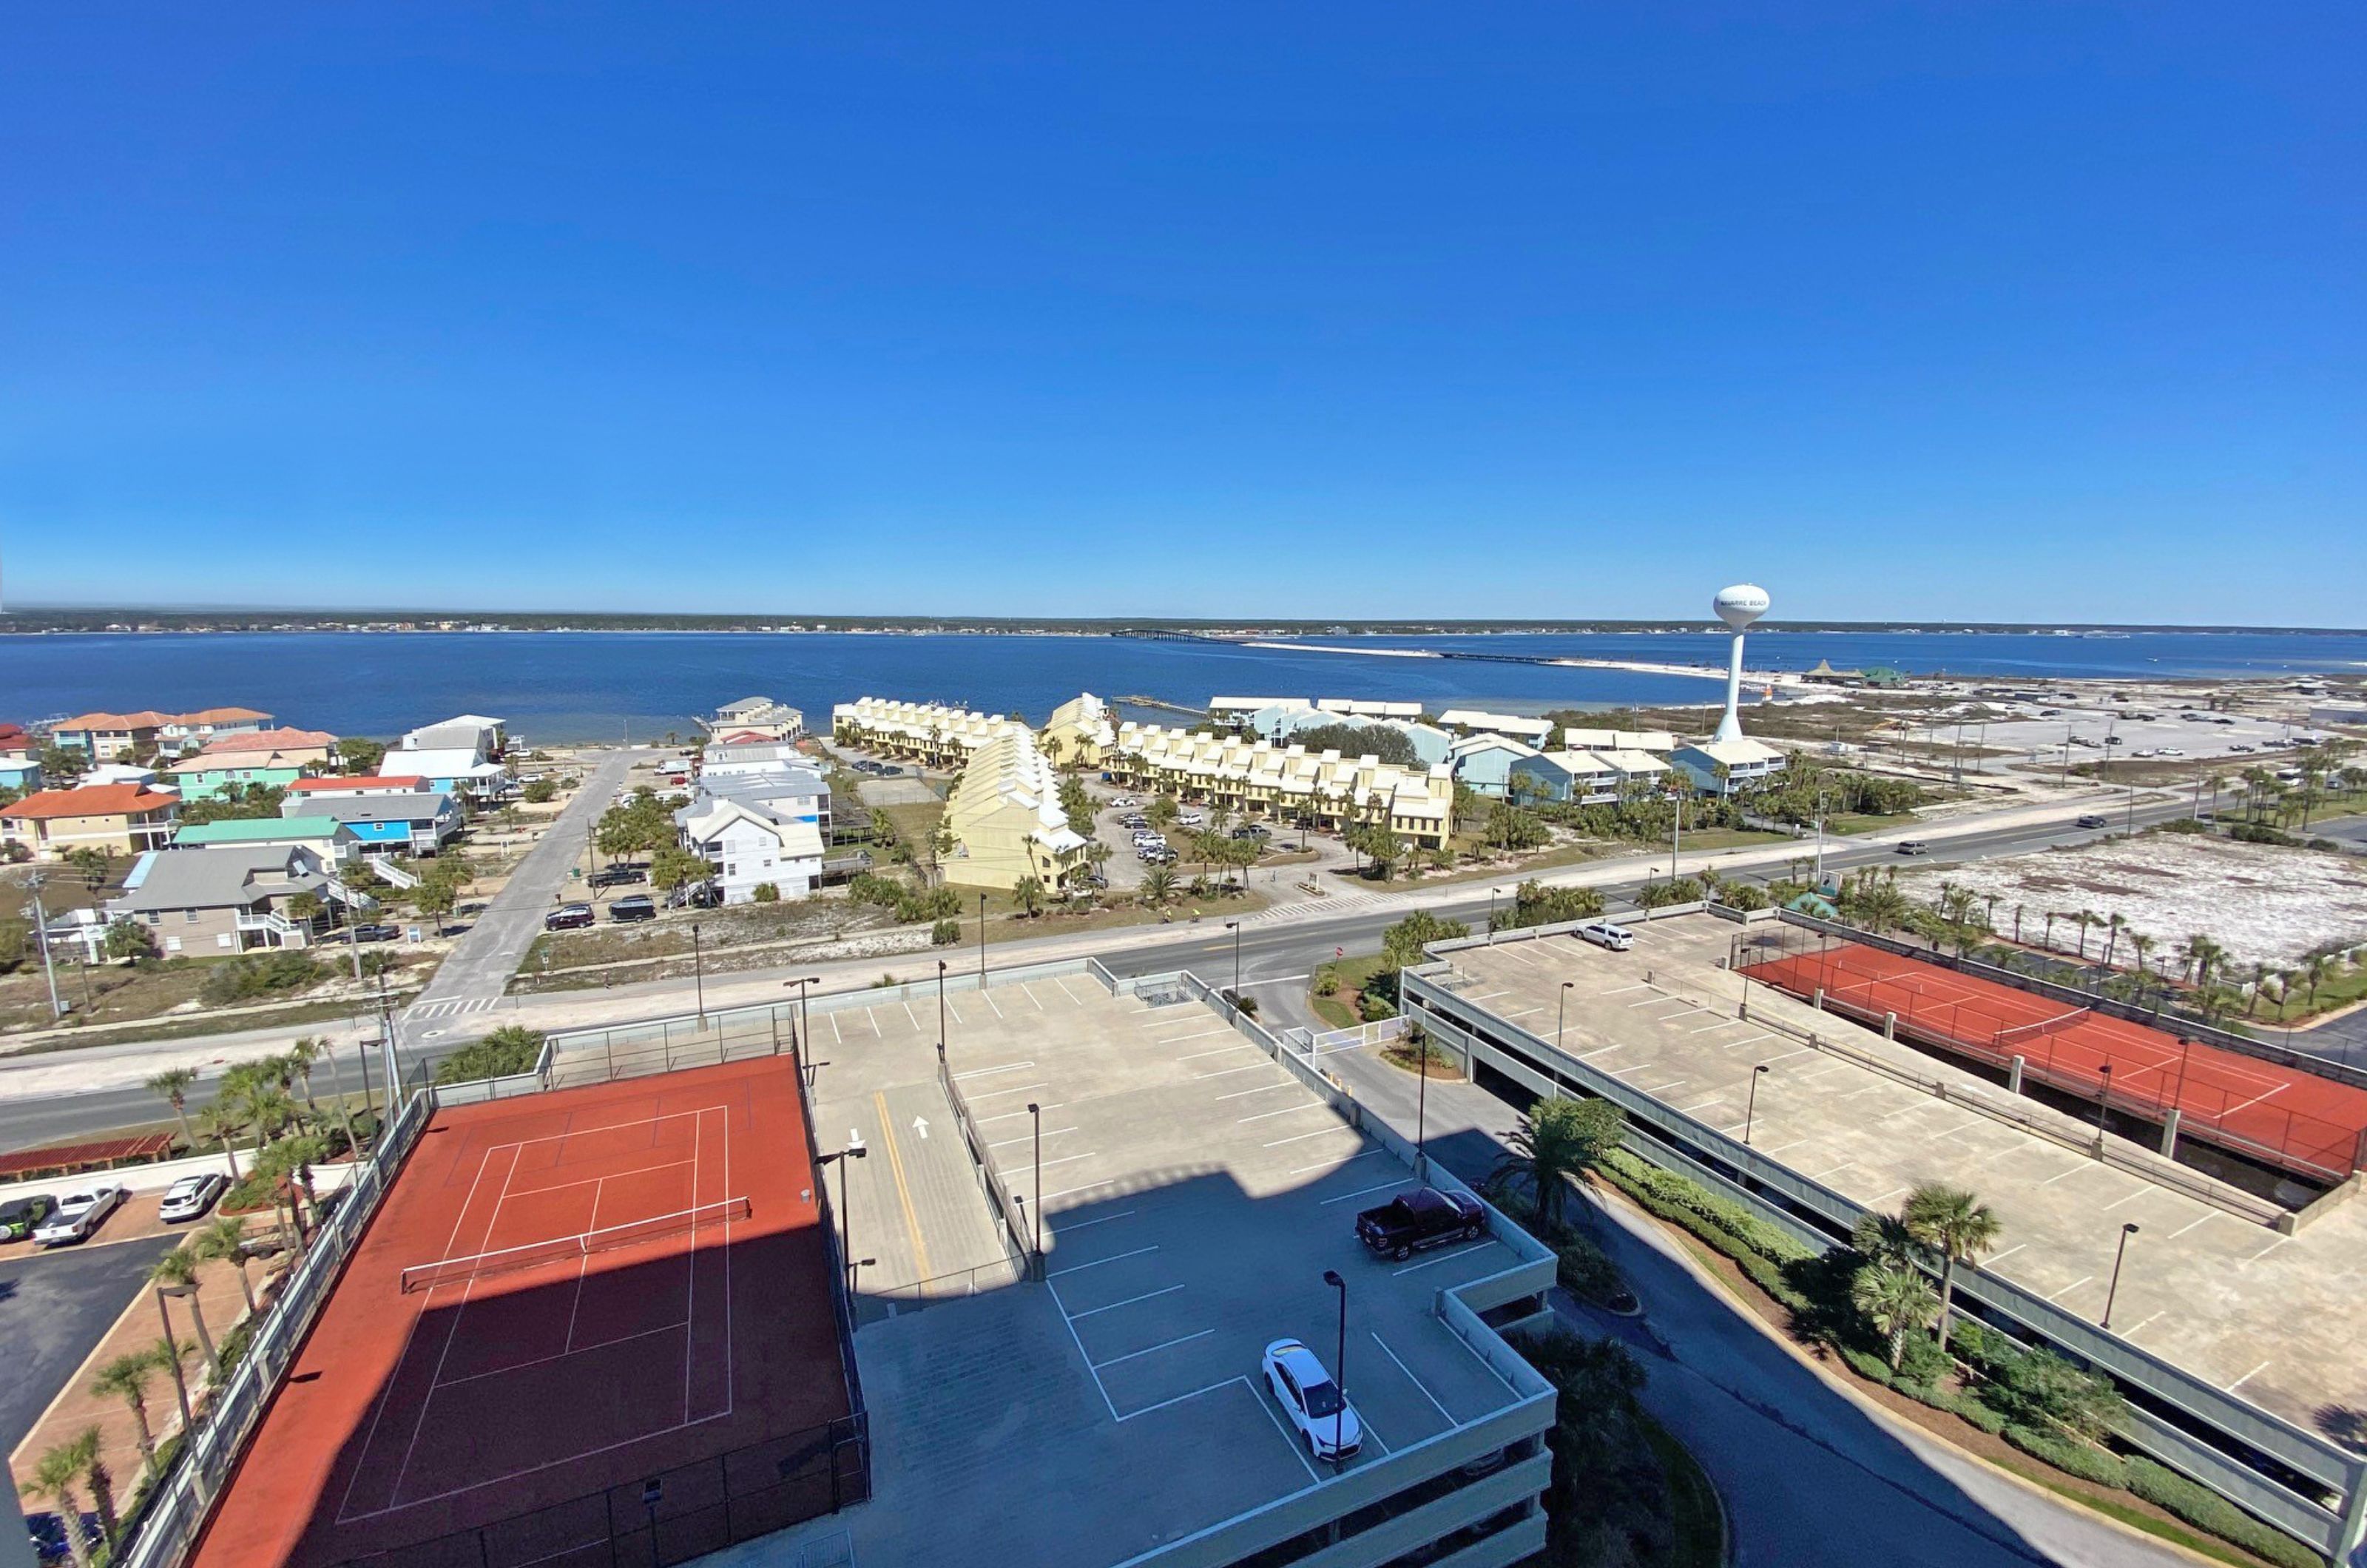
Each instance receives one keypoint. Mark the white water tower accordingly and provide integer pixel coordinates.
(1738, 606)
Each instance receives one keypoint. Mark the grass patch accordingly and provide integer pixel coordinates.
(1692, 1502)
(1338, 1010)
(2209, 1546)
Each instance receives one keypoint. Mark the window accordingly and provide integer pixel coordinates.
(189, 916)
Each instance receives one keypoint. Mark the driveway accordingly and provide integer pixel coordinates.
(478, 970)
(54, 1309)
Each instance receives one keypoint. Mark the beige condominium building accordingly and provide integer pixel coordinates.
(929, 733)
(1080, 733)
(1006, 816)
(1261, 779)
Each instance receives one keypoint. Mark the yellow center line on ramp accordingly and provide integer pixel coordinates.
(904, 1192)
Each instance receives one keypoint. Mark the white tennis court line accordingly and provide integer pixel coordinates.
(596, 1180)
(452, 1332)
(2254, 1100)
(571, 1350)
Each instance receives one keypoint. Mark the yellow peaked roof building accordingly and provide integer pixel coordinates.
(1004, 812)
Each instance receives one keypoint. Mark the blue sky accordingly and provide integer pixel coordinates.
(1983, 309)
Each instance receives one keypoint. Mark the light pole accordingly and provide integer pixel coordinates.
(1492, 914)
(1819, 873)
(41, 936)
(1037, 1111)
(1235, 927)
(941, 1012)
(698, 974)
(2119, 1258)
(2104, 1101)
(180, 1383)
(981, 941)
(855, 1150)
(1561, 1014)
(1422, 1105)
(1751, 1110)
(1340, 1365)
(805, 1034)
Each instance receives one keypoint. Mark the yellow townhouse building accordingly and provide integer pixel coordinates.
(1079, 733)
(1258, 778)
(1006, 816)
(928, 733)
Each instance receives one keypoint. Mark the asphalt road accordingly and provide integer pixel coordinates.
(1269, 953)
(478, 970)
(54, 1308)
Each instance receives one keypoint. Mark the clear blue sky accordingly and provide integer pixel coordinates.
(2047, 310)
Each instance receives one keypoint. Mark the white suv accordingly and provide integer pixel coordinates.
(1320, 1413)
(1602, 933)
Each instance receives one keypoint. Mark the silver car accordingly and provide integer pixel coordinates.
(79, 1213)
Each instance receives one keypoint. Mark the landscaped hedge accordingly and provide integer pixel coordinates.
(2087, 1463)
(2205, 1510)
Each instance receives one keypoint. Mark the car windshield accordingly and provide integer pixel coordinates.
(1323, 1398)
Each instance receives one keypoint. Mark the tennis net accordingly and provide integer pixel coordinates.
(2007, 1039)
(567, 1248)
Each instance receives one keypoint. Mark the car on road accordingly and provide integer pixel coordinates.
(190, 1197)
(1913, 847)
(1424, 1217)
(79, 1213)
(568, 917)
(1602, 933)
(2239, 746)
(1321, 1415)
(20, 1217)
(633, 907)
(2093, 820)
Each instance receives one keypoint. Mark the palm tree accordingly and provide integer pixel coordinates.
(2113, 922)
(57, 1475)
(2317, 968)
(225, 1238)
(173, 1086)
(1956, 1226)
(1896, 1301)
(302, 1057)
(1557, 1141)
(127, 1378)
(1158, 885)
(1885, 1239)
(2084, 918)
(1029, 893)
(216, 1124)
(101, 1481)
(179, 1270)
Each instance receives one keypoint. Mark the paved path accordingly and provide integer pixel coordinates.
(1810, 1477)
(473, 976)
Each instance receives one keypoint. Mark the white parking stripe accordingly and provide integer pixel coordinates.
(1117, 1258)
(1153, 1349)
(1129, 1300)
(1417, 1382)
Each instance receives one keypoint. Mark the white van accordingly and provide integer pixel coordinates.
(1602, 933)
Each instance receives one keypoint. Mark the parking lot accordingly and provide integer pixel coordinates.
(2117, 734)
(1194, 1194)
(1662, 1018)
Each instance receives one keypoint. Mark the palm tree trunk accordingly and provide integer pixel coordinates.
(146, 1439)
(246, 1287)
(69, 1516)
(1898, 1345)
(213, 1357)
(1947, 1296)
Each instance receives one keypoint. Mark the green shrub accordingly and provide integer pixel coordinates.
(1586, 1269)
(2082, 1459)
(258, 975)
(765, 892)
(1375, 1010)
(507, 1051)
(1964, 1407)
(2038, 1388)
(2205, 1510)
(2259, 833)
(1865, 1364)
(944, 934)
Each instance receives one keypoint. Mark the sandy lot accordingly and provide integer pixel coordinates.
(2265, 905)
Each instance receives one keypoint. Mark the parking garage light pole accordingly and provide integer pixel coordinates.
(698, 975)
(941, 1012)
(1751, 1110)
(1037, 1111)
(1340, 1365)
(1561, 1014)
(981, 941)
(2104, 1100)
(2118, 1258)
(1235, 927)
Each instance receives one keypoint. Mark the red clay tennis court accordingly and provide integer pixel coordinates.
(2278, 1114)
(565, 1299)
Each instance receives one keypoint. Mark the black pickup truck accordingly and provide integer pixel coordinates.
(1423, 1217)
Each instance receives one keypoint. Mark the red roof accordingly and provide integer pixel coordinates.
(72, 1158)
(745, 738)
(269, 740)
(11, 732)
(363, 781)
(146, 719)
(219, 715)
(97, 800)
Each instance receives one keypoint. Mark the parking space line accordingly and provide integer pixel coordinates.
(1178, 1039)
(1088, 1224)
(1289, 1442)
(1129, 1300)
(1285, 1110)
(1648, 1001)
(1748, 1040)
(1360, 1192)
(1069, 1159)
(1193, 1394)
(1153, 1349)
(949, 1008)
(873, 1014)
(984, 1072)
(1114, 1258)
(2071, 1287)
(1229, 1072)
(908, 1013)
(1006, 1143)
(1417, 1382)
(1265, 1089)
(1065, 992)
(2189, 1225)
(1219, 1051)
(1721, 1023)
(1107, 1402)
(1442, 1257)
(989, 996)
(1088, 1187)
(1304, 1136)
(1009, 1114)
(834, 1033)
(1031, 996)
(1334, 1164)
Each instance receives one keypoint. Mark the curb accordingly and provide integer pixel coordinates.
(1883, 1415)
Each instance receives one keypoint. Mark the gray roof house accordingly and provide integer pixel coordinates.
(228, 898)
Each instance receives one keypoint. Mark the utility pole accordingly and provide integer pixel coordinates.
(42, 935)
(1820, 841)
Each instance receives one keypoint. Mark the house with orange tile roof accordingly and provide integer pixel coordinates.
(126, 819)
(277, 758)
(105, 735)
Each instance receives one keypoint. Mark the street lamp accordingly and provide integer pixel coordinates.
(941, 1012)
(981, 941)
(1751, 1110)
(1340, 1365)
(2104, 1101)
(1561, 1012)
(698, 975)
(1492, 914)
(1235, 927)
(2114, 1288)
(1037, 1111)
(855, 1150)
(804, 1032)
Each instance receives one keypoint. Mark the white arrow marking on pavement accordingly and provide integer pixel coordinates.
(921, 1127)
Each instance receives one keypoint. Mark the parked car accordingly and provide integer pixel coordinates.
(1423, 1218)
(1913, 847)
(619, 877)
(377, 930)
(1318, 1411)
(190, 1197)
(568, 917)
(633, 907)
(78, 1214)
(1191, 819)
(2093, 820)
(1602, 933)
(20, 1217)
